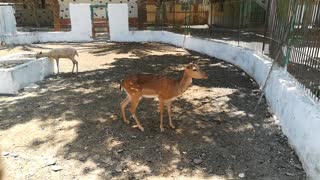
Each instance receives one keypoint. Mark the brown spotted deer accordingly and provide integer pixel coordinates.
(157, 86)
(61, 53)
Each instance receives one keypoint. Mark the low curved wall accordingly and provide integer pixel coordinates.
(299, 115)
(18, 77)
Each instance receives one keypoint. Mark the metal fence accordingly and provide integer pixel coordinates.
(287, 31)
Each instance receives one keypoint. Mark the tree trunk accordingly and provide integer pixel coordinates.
(142, 14)
(158, 13)
(164, 12)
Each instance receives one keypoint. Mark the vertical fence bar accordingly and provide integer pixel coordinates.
(289, 41)
(189, 21)
(174, 15)
(266, 25)
(240, 20)
(92, 22)
(211, 16)
(161, 14)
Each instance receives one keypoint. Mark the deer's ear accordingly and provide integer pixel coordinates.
(40, 52)
(189, 66)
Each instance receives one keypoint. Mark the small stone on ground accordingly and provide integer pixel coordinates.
(197, 161)
(241, 175)
(56, 168)
(32, 88)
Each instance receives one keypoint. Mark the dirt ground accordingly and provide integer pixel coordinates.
(72, 127)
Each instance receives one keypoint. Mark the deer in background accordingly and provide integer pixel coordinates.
(157, 86)
(61, 53)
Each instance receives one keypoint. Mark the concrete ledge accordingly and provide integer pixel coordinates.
(298, 113)
(15, 78)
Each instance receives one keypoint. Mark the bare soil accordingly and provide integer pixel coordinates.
(74, 122)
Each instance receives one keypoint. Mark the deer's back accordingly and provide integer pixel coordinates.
(150, 85)
(63, 52)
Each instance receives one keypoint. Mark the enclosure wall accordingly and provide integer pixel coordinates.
(299, 115)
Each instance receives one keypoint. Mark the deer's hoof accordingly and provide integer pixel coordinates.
(172, 126)
(161, 129)
(127, 122)
(137, 126)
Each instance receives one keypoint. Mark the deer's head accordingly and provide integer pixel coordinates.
(194, 71)
(39, 55)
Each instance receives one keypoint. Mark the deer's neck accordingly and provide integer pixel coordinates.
(44, 54)
(184, 83)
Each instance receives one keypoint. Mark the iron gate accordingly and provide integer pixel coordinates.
(100, 22)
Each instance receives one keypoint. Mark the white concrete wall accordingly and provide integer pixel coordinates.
(16, 78)
(81, 30)
(298, 113)
(80, 16)
(118, 20)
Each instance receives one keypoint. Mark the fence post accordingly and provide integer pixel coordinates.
(174, 15)
(211, 16)
(288, 53)
(240, 20)
(161, 15)
(266, 25)
(92, 22)
(107, 21)
(189, 21)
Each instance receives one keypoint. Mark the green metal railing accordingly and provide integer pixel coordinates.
(288, 31)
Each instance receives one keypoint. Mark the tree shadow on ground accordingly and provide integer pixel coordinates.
(218, 134)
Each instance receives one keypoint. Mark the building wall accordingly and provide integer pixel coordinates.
(99, 12)
(45, 17)
(24, 15)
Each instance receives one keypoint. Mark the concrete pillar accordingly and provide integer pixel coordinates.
(80, 17)
(118, 21)
(7, 20)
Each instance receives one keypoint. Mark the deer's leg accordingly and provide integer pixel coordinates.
(133, 108)
(124, 104)
(169, 114)
(77, 66)
(72, 66)
(161, 104)
(57, 60)
(75, 63)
